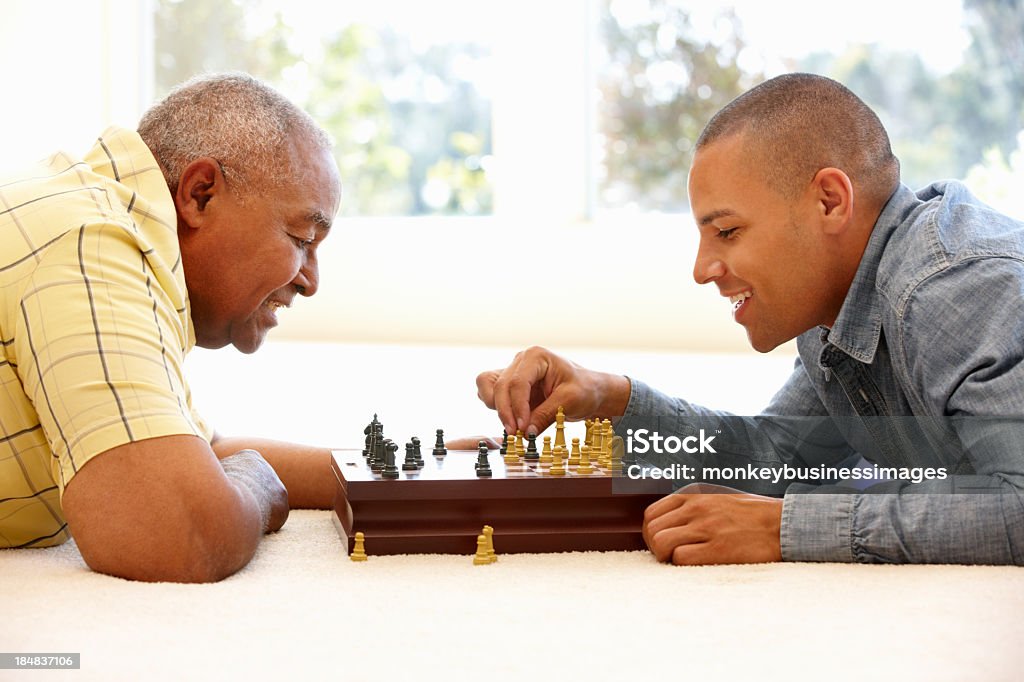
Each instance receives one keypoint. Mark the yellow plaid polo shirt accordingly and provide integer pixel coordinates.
(94, 325)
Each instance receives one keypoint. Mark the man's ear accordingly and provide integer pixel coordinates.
(200, 182)
(834, 196)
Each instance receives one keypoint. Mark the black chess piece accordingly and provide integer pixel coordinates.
(417, 451)
(504, 442)
(531, 448)
(390, 470)
(439, 449)
(380, 455)
(483, 466)
(371, 433)
(410, 463)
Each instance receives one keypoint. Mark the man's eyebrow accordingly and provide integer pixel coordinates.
(715, 215)
(320, 220)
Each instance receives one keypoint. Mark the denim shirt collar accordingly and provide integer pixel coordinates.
(859, 324)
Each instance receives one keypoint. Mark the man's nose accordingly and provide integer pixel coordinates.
(707, 267)
(308, 280)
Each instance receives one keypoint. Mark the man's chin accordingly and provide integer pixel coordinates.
(248, 346)
(249, 340)
(763, 345)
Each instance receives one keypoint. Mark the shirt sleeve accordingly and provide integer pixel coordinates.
(101, 348)
(794, 429)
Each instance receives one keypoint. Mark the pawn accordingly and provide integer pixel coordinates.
(417, 451)
(410, 459)
(546, 455)
(482, 557)
(504, 442)
(557, 467)
(520, 450)
(483, 466)
(584, 467)
(439, 449)
(510, 451)
(574, 456)
(359, 551)
(531, 449)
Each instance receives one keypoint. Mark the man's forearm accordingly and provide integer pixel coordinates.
(305, 470)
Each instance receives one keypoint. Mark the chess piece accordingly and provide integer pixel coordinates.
(574, 455)
(531, 449)
(489, 535)
(439, 449)
(510, 452)
(546, 454)
(588, 438)
(359, 551)
(481, 557)
(520, 450)
(557, 467)
(504, 442)
(595, 441)
(584, 467)
(606, 441)
(378, 456)
(390, 470)
(617, 450)
(483, 466)
(369, 431)
(417, 451)
(560, 427)
(410, 459)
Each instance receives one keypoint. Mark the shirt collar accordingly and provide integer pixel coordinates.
(121, 155)
(859, 325)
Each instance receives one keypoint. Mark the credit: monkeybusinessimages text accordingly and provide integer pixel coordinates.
(640, 442)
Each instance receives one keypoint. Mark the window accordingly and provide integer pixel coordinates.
(946, 81)
(402, 87)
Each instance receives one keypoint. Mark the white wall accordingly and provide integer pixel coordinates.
(515, 282)
(69, 69)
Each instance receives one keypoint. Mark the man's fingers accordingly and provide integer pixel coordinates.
(678, 516)
(544, 414)
(526, 372)
(692, 554)
(519, 391)
(664, 543)
(665, 504)
(485, 386)
(471, 443)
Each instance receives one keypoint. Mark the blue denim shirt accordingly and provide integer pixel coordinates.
(928, 343)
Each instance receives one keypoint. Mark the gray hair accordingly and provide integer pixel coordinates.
(243, 123)
(799, 123)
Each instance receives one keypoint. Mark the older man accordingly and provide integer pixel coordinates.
(908, 310)
(196, 229)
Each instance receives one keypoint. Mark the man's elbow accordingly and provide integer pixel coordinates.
(184, 547)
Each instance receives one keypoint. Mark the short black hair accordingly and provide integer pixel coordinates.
(799, 123)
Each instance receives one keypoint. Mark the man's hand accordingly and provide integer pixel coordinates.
(688, 528)
(529, 391)
(248, 470)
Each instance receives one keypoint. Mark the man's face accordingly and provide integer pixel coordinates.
(762, 250)
(253, 256)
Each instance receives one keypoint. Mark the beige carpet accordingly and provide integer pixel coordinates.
(302, 611)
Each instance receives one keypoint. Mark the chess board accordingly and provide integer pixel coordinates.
(442, 507)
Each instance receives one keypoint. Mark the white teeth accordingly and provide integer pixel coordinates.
(274, 305)
(739, 298)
